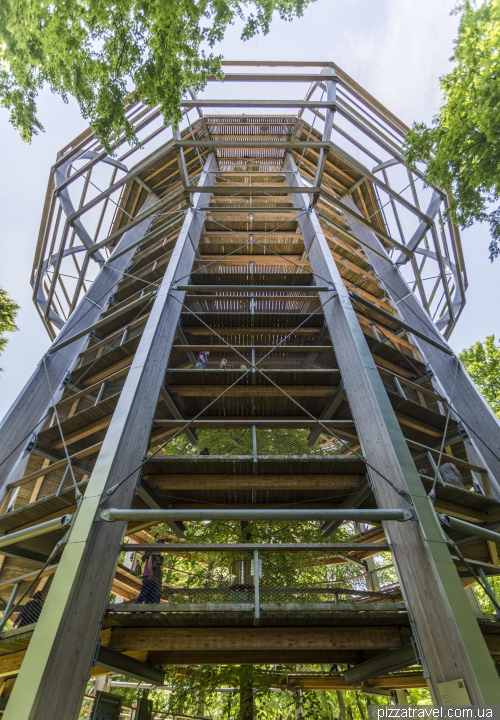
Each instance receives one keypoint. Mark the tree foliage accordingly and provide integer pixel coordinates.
(196, 692)
(278, 441)
(482, 362)
(99, 50)
(8, 312)
(463, 143)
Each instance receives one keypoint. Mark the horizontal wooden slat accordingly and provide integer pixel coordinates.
(254, 482)
(252, 390)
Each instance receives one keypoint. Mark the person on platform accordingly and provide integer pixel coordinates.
(451, 475)
(30, 612)
(152, 577)
(223, 364)
(202, 361)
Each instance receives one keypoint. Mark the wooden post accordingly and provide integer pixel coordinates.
(446, 630)
(401, 697)
(61, 651)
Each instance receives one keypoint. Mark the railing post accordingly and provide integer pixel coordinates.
(9, 606)
(256, 585)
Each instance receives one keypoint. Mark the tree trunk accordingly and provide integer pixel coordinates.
(299, 709)
(361, 708)
(341, 702)
(201, 704)
(246, 693)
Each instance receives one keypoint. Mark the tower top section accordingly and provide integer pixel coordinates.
(347, 147)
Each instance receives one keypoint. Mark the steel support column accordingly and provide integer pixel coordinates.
(331, 93)
(58, 661)
(449, 638)
(35, 398)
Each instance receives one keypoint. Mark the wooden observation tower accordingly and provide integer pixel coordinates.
(249, 317)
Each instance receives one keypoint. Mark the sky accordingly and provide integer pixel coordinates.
(395, 49)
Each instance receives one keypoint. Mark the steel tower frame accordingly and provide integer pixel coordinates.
(264, 237)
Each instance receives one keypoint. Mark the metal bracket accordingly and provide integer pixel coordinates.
(462, 431)
(66, 380)
(94, 656)
(31, 444)
(406, 495)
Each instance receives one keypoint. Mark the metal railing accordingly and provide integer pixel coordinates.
(254, 582)
(91, 195)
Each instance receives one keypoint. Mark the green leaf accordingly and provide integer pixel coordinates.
(482, 362)
(105, 53)
(8, 313)
(462, 145)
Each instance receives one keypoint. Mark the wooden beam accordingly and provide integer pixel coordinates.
(244, 639)
(325, 682)
(292, 260)
(282, 348)
(109, 370)
(298, 423)
(255, 657)
(135, 654)
(492, 551)
(398, 369)
(460, 511)
(252, 390)
(50, 570)
(384, 331)
(38, 483)
(57, 466)
(445, 455)
(11, 664)
(91, 388)
(418, 425)
(322, 548)
(123, 591)
(253, 482)
(268, 190)
(83, 432)
(246, 331)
